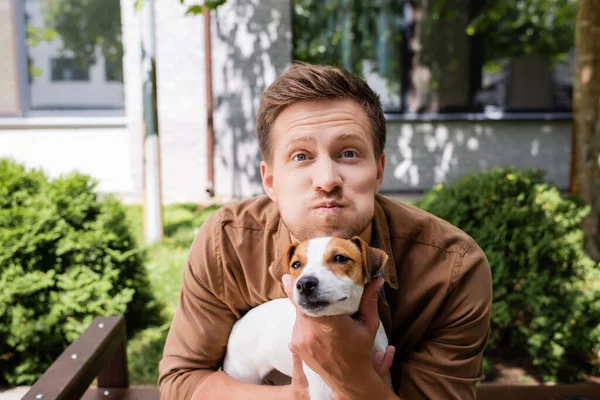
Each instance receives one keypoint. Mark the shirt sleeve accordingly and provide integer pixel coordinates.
(447, 363)
(197, 339)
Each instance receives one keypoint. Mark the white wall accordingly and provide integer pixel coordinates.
(423, 154)
(103, 153)
(181, 99)
(251, 43)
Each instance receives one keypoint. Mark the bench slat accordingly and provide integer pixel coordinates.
(493, 391)
(146, 393)
(74, 370)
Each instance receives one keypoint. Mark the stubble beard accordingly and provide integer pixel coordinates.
(333, 227)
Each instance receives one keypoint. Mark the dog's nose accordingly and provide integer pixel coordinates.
(307, 285)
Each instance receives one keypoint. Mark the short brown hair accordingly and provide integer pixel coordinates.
(307, 82)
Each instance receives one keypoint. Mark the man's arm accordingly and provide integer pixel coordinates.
(220, 386)
(198, 337)
(447, 364)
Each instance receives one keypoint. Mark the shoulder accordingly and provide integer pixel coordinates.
(230, 223)
(444, 248)
(258, 213)
(412, 224)
(254, 214)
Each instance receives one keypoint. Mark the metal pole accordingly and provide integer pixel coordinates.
(210, 175)
(23, 93)
(153, 222)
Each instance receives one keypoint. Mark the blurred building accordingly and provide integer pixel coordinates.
(447, 113)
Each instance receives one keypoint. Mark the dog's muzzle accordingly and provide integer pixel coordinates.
(307, 288)
(307, 285)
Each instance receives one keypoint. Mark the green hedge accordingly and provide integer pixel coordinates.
(546, 291)
(66, 257)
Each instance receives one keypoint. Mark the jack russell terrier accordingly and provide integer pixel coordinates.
(329, 275)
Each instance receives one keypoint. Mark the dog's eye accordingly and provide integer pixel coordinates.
(338, 258)
(296, 264)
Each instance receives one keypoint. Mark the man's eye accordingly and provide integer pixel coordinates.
(349, 153)
(300, 157)
(296, 265)
(338, 258)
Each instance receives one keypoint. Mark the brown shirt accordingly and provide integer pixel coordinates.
(436, 310)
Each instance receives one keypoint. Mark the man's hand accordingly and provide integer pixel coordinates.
(382, 361)
(298, 389)
(338, 348)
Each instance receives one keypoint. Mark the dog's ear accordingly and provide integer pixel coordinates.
(281, 266)
(373, 259)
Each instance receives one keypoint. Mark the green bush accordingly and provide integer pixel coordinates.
(546, 291)
(66, 257)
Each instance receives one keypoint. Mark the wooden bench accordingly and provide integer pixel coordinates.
(100, 353)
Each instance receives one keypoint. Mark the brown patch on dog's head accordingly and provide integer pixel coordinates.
(352, 258)
(291, 262)
(373, 259)
(344, 259)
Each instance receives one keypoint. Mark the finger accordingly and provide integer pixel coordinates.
(382, 361)
(288, 286)
(368, 303)
(298, 376)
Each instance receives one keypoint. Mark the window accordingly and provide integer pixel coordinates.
(447, 55)
(69, 59)
(113, 70)
(365, 37)
(506, 56)
(68, 69)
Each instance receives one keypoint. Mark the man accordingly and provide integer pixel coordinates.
(322, 134)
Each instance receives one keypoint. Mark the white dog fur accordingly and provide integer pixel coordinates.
(329, 276)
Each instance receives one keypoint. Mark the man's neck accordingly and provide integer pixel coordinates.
(365, 235)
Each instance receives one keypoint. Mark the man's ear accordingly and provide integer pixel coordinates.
(380, 170)
(266, 175)
(373, 259)
(281, 266)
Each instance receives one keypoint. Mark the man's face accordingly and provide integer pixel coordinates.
(323, 175)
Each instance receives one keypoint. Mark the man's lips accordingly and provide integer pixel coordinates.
(329, 205)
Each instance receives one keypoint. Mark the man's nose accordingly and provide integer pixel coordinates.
(307, 285)
(327, 176)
